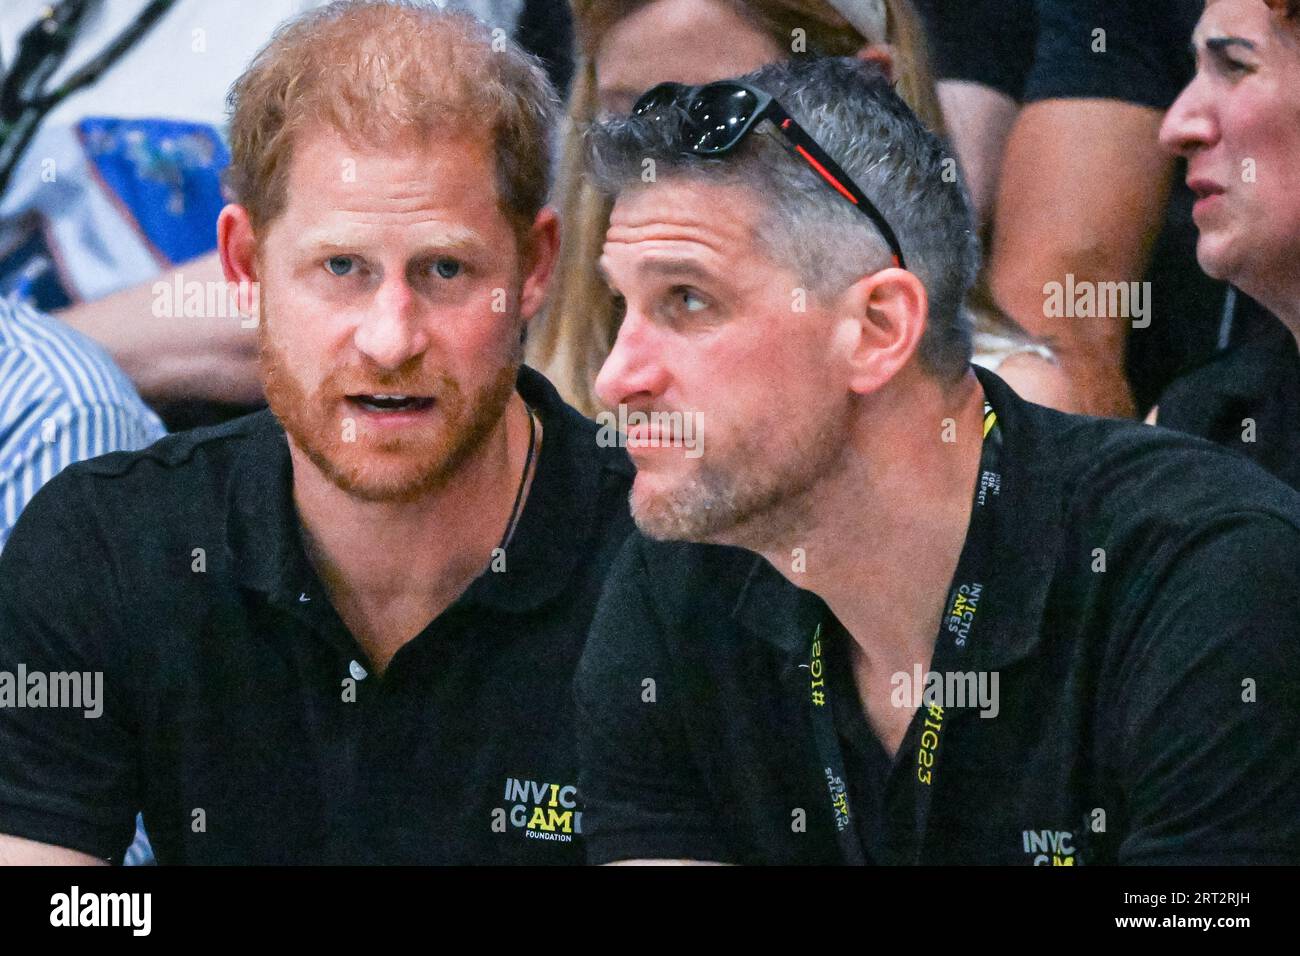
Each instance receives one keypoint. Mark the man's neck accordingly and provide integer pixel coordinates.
(391, 568)
(1291, 319)
(1283, 300)
(888, 530)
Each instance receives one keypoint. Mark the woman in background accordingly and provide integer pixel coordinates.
(1238, 126)
(627, 46)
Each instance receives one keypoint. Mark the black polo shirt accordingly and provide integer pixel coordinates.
(241, 715)
(1139, 612)
(1247, 398)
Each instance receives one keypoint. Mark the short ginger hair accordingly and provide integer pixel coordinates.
(379, 72)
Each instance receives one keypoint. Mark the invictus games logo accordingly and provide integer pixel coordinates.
(543, 811)
(1051, 847)
(839, 799)
(965, 604)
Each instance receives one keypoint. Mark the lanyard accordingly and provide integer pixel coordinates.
(955, 630)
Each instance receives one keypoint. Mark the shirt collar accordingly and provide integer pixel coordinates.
(1027, 533)
(553, 534)
(264, 537)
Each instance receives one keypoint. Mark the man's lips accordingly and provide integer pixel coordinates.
(1204, 188)
(1207, 193)
(651, 436)
(642, 435)
(388, 403)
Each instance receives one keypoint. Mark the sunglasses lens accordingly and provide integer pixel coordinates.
(657, 98)
(719, 116)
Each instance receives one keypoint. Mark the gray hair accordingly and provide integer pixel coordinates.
(852, 111)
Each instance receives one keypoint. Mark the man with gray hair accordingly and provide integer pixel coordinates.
(976, 630)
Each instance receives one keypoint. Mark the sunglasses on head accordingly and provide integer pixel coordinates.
(718, 116)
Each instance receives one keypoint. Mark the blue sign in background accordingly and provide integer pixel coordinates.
(167, 175)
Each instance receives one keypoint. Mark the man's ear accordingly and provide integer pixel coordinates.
(881, 54)
(882, 318)
(541, 250)
(237, 246)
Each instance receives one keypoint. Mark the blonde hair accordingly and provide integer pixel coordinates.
(571, 343)
(382, 72)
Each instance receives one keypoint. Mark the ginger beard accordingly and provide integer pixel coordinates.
(398, 468)
(755, 491)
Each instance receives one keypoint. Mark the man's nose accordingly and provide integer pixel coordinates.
(1188, 123)
(390, 333)
(634, 368)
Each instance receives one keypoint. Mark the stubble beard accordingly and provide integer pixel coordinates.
(749, 498)
(399, 468)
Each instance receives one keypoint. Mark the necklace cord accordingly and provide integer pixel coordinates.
(523, 481)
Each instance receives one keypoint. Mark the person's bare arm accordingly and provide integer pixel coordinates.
(175, 357)
(1037, 380)
(15, 851)
(979, 120)
(1082, 192)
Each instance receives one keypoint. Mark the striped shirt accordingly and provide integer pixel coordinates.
(62, 399)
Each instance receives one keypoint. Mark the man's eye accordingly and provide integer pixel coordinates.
(693, 302)
(1230, 64)
(340, 265)
(446, 268)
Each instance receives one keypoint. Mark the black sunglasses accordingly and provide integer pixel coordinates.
(718, 116)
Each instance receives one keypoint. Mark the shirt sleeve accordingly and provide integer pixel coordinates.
(1136, 51)
(67, 769)
(641, 787)
(67, 433)
(1209, 703)
(990, 42)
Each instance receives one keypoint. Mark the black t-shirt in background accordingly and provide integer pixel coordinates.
(990, 42)
(1246, 398)
(1037, 50)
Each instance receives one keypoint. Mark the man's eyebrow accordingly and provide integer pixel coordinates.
(682, 268)
(444, 240)
(1222, 44)
(686, 268)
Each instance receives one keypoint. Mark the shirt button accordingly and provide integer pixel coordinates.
(357, 671)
